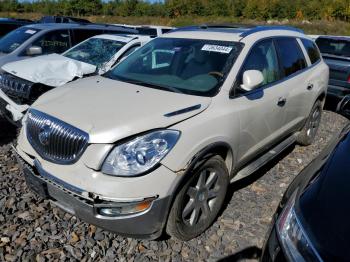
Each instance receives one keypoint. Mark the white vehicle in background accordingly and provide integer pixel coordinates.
(22, 82)
(151, 30)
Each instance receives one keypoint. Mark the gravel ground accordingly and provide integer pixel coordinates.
(33, 230)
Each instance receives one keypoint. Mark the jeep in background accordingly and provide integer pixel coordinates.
(152, 147)
(335, 51)
(95, 55)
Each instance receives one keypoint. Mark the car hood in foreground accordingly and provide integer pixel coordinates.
(51, 70)
(324, 205)
(111, 110)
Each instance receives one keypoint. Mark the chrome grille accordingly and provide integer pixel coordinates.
(55, 140)
(15, 86)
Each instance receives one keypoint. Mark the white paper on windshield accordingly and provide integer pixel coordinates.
(32, 32)
(217, 48)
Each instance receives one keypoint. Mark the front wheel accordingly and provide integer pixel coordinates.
(308, 133)
(199, 201)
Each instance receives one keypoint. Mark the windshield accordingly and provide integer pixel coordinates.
(95, 51)
(13, 40)
(338, 47)
(190, 66)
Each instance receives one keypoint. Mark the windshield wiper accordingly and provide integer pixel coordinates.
(138, 82)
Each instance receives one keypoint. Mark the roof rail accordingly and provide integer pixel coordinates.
(225, 25)
(213, 26)
(257, 29)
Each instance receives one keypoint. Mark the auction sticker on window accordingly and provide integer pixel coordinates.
(29, 31)
(217, 48)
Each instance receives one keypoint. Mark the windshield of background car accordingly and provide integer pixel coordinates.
(190, 66)
(14, 39)
(95, 51)
(338, 47)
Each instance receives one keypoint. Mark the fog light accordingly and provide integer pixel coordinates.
(123, 209)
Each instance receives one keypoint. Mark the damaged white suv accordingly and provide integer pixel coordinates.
(152, 145)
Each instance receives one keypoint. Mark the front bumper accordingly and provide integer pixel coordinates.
(148, 224)
(273, 250)
(10, 109)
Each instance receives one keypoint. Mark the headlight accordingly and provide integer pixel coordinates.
(140, 154)
(295, 242)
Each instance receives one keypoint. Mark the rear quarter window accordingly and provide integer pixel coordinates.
(290, 55)
(312, 50)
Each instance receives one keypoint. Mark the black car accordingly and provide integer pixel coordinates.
(335, 51)
(312, 220)
(9, 24)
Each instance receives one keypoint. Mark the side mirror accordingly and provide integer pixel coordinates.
(343, 107)
(34, 50)
(251, 79)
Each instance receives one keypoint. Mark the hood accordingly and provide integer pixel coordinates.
(323, 205)
(110, 110)
(52, 70)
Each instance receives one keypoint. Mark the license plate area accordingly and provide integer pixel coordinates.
(35, 184)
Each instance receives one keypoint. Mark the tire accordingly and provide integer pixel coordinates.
(309, 131)
(199, 201)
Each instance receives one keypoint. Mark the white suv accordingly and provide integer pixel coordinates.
(154, 143)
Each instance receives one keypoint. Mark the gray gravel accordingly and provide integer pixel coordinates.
(33, 230)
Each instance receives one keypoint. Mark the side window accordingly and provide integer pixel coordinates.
(263, 58)
(54, 42)
(291, 57)
(312, 50)
(82, 34)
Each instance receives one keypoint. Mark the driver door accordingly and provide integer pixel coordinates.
(262, 110)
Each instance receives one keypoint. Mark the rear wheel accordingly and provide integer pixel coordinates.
(199, 201)
(308, 133)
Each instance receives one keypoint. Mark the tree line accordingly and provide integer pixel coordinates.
(249, 9)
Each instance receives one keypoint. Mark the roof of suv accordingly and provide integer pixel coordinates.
(227, 32)
(45, 26)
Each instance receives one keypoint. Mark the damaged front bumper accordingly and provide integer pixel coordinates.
(14, 112)
(147, 223)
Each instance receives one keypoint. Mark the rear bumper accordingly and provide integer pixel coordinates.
(148, 224)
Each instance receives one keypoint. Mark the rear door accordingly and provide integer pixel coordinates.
(296, 81)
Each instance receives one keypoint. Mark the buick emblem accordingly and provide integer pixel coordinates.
(44, 134)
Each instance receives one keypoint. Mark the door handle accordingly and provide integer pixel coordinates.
(282, 101)
(310, 86)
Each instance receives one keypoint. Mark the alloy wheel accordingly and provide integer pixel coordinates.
(201, 197)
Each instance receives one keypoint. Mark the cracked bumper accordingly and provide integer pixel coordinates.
(148, 224)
